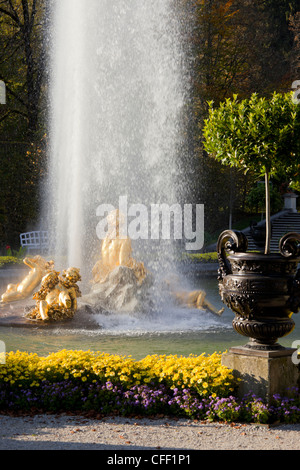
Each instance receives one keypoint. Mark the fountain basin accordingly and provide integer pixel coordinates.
(14, 317)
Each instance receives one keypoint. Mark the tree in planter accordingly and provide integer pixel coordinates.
(257, 134)
(255, 200)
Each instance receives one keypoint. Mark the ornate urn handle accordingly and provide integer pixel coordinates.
(289, 245)
(230, 241)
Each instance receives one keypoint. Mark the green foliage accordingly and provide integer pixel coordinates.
(23, 60)
(203, 257)
(20, 170)
(20, 253)
(257, 134)
(256, 199)
(9, 260)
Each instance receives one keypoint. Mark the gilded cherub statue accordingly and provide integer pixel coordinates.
(116, 251)
(38, 268)
(57, 298)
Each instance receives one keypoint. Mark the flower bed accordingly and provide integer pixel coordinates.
(198, 387)
(9, 261)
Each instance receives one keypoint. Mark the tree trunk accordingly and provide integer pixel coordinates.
(268, 214)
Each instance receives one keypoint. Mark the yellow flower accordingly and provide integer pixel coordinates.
(204, 374)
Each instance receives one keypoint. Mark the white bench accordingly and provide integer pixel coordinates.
(37, 240)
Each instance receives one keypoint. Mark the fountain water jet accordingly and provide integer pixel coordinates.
(117, 93)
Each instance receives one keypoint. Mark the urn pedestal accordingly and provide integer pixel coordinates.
(264, 373)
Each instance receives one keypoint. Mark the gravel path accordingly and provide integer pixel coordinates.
(64, 432)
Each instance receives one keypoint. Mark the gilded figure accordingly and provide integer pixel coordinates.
(116, 250)
(38, 268)
(57, 297)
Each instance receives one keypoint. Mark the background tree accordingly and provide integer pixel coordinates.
(256, 199)
(295, 54)
(237, 47)
(234, 47)
(23, 55)
(256, 134)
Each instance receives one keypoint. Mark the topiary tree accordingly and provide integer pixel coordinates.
(257, 134)
(255, 199)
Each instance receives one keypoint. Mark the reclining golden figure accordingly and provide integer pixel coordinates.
(196, 299)
(39, 267)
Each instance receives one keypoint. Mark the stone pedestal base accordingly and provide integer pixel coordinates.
(263, 373)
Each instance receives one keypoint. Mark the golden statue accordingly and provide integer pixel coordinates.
(196, 299)
(190, 299)
(39, 267)
(57, 298)
(116, 251)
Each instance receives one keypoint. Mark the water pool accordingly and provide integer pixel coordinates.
(171, 331)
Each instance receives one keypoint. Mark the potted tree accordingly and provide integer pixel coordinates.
(261, 135)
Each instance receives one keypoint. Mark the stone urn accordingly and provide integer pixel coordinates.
(263, 290)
